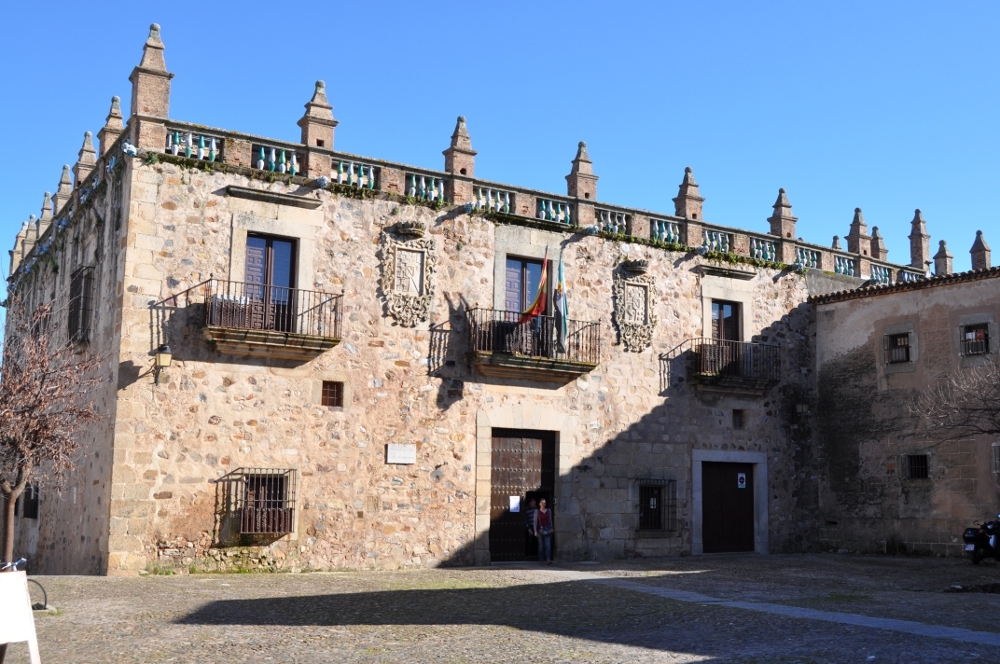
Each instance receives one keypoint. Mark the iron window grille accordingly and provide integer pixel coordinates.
(916, 466)
(80, 304)
(976, 339)
(265, 501)
(739, 420)
(333, 394)
(658, 505)
(897, 348)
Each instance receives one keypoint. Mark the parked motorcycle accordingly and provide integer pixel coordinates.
(983, 541)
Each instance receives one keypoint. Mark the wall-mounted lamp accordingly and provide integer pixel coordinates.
(163, 359)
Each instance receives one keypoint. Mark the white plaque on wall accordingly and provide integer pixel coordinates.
(400, 453)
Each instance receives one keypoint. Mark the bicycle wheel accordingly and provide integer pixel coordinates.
(39, 598)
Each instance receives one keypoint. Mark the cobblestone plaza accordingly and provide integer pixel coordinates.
(735, 608)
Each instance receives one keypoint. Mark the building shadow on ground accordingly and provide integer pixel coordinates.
(576, 609)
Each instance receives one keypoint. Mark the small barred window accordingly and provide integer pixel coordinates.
(658, 505)
(916, 466)
(333, 394)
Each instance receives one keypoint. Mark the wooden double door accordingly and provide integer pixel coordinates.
(270, 283)
(523, 468)
(727, 498)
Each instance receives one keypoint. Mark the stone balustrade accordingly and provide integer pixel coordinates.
(424, 188)
(880, 274)
(761, 249)
(355, 174)
(611, 221)
(194, 145)
(276, 159)
(553, 210)
(717, 240)
(494, 200)
(665, 231)
(809, 258)
(235, 149)
(845, 265)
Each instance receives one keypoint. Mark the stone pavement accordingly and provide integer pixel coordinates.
(737, 608)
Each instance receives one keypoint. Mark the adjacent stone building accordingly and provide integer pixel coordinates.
(885, 483)
(354, 381)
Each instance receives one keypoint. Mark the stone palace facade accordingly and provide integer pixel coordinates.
(353, 381)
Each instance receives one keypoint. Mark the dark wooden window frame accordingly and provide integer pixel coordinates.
(719, 329)
(269, 258)
(525, 296)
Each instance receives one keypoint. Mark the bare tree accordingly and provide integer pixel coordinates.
(46, 388)
(962, 404)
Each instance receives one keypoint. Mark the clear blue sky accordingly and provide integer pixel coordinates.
(883, 106)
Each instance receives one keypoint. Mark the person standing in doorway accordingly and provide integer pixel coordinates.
(531, 546)
(543, 531)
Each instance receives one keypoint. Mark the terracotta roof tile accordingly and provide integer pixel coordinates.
(931, 282)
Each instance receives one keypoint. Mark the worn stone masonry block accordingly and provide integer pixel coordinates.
(135, 492)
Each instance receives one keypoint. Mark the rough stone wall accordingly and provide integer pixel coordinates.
(864, 424)
(642, 418)
(71, 533)
(214, 413)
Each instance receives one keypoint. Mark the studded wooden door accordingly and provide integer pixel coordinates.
(523, 469)
(727, 507)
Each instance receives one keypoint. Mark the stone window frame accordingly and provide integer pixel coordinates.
(731, 290)
(245, 223)
(526, 244)
(988, 319)
(901, 367)
(332, 377)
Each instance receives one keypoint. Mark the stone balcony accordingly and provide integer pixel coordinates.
(271, 321)
(504, 345)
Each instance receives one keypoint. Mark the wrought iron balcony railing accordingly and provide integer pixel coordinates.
(257, 319)
(494, 331)
(736, 363)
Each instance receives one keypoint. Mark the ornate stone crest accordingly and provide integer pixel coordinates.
(408, 265)
(634, 293)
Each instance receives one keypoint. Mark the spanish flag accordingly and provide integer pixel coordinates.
(537, 306)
